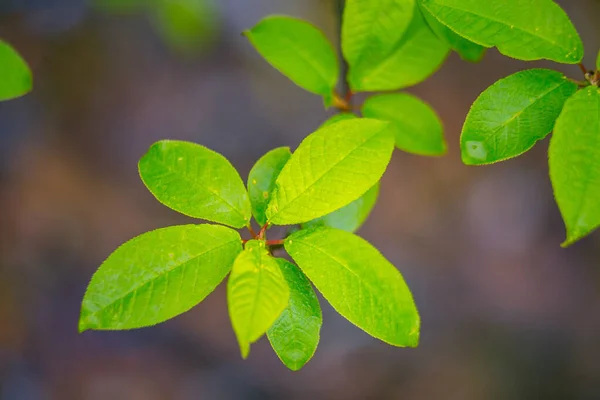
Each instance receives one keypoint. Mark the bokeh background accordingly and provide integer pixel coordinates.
(506, 313)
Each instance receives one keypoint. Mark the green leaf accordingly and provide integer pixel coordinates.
(372, 30)
(295, 334)
(414, 58)
(573, 158)
(15, 76)
(261, 180)
(523, 29)
(257, 293)
(331, 168)
(299, 51)
(358, 282)
(514, 113)
(337, 118)
(195, 181)
(349, 218)
(186, 25)
(416, 126)
(467, 50)
(158, 275)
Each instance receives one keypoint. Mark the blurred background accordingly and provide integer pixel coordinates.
(506, 313)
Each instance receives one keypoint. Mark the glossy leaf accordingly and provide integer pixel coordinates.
(414, 58)
(196, 181)
(299, 51)
(514, 113)
(467, 50)
(349, 218)
(261, 180)
(358, 282)
(295, 334)
(523, 29)
(257, 293)
(415, 124)
(158, 275)
(331, 168)
(372, 30)
(15, 76)
(574, 169)
(337, 118)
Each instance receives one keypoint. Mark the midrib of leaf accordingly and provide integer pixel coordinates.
(205, 189)
(327, 171)
(519, 113)
(308, 59)
(493, 20)
(365, 283)
(155, 278)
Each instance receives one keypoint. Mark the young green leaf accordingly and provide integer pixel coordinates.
(331, 168)
(523, 29)
(195, 181)
(337, 118)
(372, 29)
(15, 76)
(349, 218)
(514, 113)
(467, 50)
(261, 180)
(257, 293)
(158, 275)
(358, 282)
(414, 58)
(299, 51)
(295, 334)
(573, 158)
(415, 124)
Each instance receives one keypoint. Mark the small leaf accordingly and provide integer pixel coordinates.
(295, 334)
(523, 29)
(331, 168)
(416, 126)
(195, 181)
(15, 76)
(467, 50)
(261, 180)
(414, 58)
(299, 51)
(372, 29)
(157, 276)
(337, 118)
(514, 113)
(573, 157)
(358, 282)
(349, 218)
(257, 293)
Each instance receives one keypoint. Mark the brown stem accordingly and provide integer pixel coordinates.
(278, 242)
(251, 230)
(583, 68)
(261, 233)
(340, 103)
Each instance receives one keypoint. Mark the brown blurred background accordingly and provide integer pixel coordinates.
(506, 313)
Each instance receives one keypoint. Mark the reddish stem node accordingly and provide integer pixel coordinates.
(261, 233)
(275, 242)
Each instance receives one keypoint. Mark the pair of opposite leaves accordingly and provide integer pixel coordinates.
(163, 273)
(392, 44)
